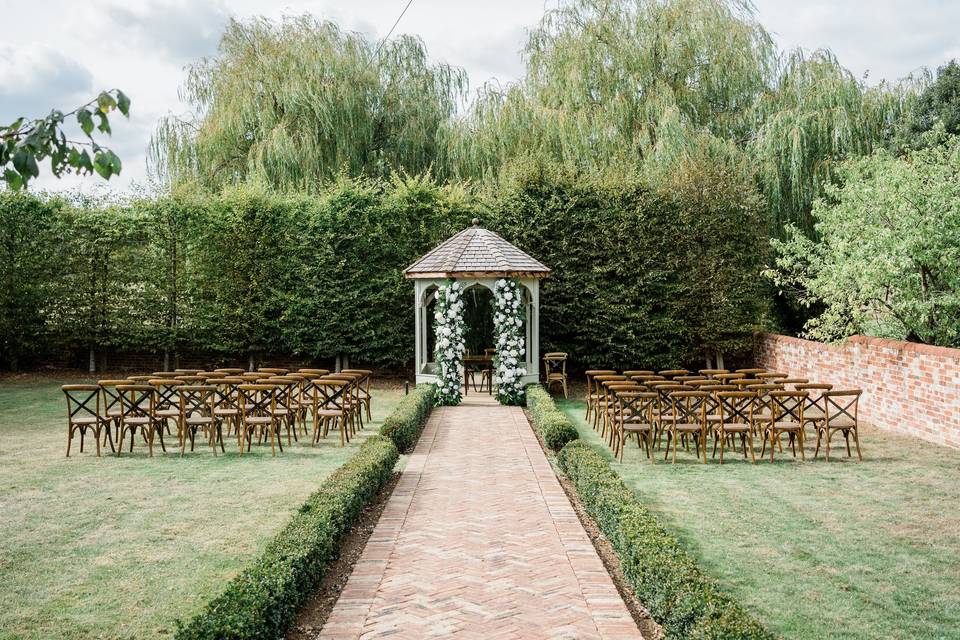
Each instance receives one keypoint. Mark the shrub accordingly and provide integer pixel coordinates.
(405, 423)
(551, 423)
(666, 579)
(263, 599)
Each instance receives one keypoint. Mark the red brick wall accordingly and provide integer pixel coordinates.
(907, 387)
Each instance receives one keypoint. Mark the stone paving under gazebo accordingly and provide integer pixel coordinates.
(479, 540)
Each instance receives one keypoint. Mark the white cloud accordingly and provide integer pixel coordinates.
(36, 79)
(182, 31)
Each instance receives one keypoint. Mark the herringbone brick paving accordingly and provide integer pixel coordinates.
(479, 540)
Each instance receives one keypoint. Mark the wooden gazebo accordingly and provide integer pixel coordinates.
(476, 257)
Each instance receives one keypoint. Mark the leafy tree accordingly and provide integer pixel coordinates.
(888, 262)
(939, 102)
(297, 102)
(645, 84)
(25, 143)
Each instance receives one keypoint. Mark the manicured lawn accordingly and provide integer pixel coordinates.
(122, 547)
(817, 550)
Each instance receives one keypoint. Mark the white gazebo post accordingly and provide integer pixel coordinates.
(475, 256)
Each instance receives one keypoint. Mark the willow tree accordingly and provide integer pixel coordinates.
(650, 84)
(294, 103)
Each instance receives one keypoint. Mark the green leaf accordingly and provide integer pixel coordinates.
(13, 179)
(123, 103)
(85, 120)
(104, 125)
(102, 164)
(106, 102)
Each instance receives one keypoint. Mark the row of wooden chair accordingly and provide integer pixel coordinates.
(249, 404)
(728, 406)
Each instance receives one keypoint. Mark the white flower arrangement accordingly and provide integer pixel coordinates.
(509, 362)
(449, 346)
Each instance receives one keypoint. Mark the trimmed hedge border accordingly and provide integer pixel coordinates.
(663, 576)
(405, 423)
(552, 424)
(264, 598)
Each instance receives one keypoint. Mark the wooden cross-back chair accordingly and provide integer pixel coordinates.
(591, 391)
(198, 405)
(362, 388)
(688, 418)
(332, 408)
(258, 415)
(613, 390)
(555, 370)
(662, 411)
(786, 417)
(287, 394)
(167, 404)
(813, 410)
(606, 399)
(762, 410)
(736, 419)
(137, 414)
(84, 412)
(635, 411)
(841, 409)
(226, 406)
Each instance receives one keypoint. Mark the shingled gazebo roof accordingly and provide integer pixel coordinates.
(476, 252)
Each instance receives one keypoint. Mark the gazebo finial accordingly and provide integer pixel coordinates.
(476, 222)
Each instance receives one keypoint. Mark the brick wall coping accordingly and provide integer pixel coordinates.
(882, 343)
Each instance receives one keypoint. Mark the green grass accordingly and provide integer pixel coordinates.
(819, 550)
(122, 547)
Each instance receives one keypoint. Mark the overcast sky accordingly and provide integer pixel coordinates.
(62, 52)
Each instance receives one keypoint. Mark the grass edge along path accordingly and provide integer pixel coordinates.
(263, 600)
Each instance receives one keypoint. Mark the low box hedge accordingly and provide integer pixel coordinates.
(552, 424)
(405, 423)
(264, 598)
(663, 576)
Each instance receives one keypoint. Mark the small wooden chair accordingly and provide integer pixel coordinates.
(197, 404)
(635, 411)
(258, 414)
(226, 404)
(688, 417)
(786, 418)
(332, 408)
(137, 406)
(363, 388)
(840, 414)
(111, 406)
(814, 410)
(599, 397)
(613, 390)
(167, 404)
(736, 419)
(555, 370)
(83, 412)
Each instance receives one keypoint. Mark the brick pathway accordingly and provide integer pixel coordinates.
(479, 540)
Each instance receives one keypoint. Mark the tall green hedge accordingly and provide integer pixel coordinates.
(642, 275)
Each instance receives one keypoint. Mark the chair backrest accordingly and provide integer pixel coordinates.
(689, 406)
(253, 376)
(762, 403)
(166, 391)
(727, 378)
(288, 389)
(83, 401)
(670, 373)
(188, 372)
(225, 392)
(230, 371)
(273, 370)
(712, 372)
(706, 384)
(686, 379)
(787, 406)
(638, 372)
(639, 405)
(210, 375)
(792, 381)
(257, 400)
(164, 374)
(191, 379)
(197, 398)
(742, 383)
(752, 372)
(137, 400)
(841, 405)
(735, 407)
(555, 362)
(332, 394)
(139, 379)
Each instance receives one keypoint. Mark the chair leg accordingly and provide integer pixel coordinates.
(856, 441)
(69, 439)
